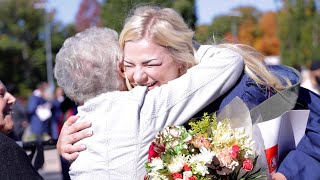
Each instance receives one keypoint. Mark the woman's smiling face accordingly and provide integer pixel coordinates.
(6, 103)
(148, 64)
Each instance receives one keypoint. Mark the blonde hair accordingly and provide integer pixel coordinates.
(256, 68)
(166, 27)
(162, 26)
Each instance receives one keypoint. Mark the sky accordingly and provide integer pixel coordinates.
(206, 9)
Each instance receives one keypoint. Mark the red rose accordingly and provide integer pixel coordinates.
(152, 153)
(192, 178)
(186, 167)
(235, 151)
(177, 176)
(247, 165)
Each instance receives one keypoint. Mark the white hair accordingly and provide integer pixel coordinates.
(86, 65)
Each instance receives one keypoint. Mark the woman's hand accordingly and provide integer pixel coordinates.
(71, 133)
(278, 176)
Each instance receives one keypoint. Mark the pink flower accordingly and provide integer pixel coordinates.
(224, 157)
(235, 151)
(247, 165)
(192, 178)
(200, 141)
(177, 176)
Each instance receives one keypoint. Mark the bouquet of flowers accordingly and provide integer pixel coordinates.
(209, 150)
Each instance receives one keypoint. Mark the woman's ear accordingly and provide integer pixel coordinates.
(121, 69)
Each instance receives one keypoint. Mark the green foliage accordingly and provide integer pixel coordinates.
(221, 25)
(22, 43)
(187, 9)
(299, 32)
(204, 125)
(114, 12)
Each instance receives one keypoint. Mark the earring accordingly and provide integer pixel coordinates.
(127, 82)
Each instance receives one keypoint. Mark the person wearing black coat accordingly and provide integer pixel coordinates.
(14, 162)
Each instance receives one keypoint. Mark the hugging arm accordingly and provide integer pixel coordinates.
(178, 101)
(71, 133)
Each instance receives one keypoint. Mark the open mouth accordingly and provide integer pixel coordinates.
(151, 86)
(8, 111)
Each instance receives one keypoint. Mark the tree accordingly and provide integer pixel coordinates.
(248, 31)
(220, 29)
(268, 43)
(114, 12)
(297, 27)
(239, 25)
(88, 15)
(202, 34)
(22, 52)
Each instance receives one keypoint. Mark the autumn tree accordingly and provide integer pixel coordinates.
(248, 30)
(268, 43)
(88, 15)
(238, 26)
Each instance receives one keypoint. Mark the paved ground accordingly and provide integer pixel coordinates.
(51, 169)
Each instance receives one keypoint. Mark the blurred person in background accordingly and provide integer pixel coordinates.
(57, 113)
(39, 112)
(62, 109)
(312, 78)
(15, 164)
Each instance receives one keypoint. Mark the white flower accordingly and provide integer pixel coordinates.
(187, 174)
(201, 169)
(199, 161)
(176, 165)
(174, 132)
(156, 164)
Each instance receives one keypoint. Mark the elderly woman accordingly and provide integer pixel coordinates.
(15, 164)
(149, 28)
(125, 122)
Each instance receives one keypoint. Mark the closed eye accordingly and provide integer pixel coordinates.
(128, 64)
(151, 65)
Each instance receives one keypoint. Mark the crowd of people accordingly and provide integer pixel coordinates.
(153, 76)
(40, 117)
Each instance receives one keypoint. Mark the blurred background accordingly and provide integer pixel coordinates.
(32, 32)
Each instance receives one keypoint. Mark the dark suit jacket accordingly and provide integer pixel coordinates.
(14, 162)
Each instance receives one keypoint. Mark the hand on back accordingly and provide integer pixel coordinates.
(71, 133)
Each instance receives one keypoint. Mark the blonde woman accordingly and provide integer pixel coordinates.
(150, 29)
